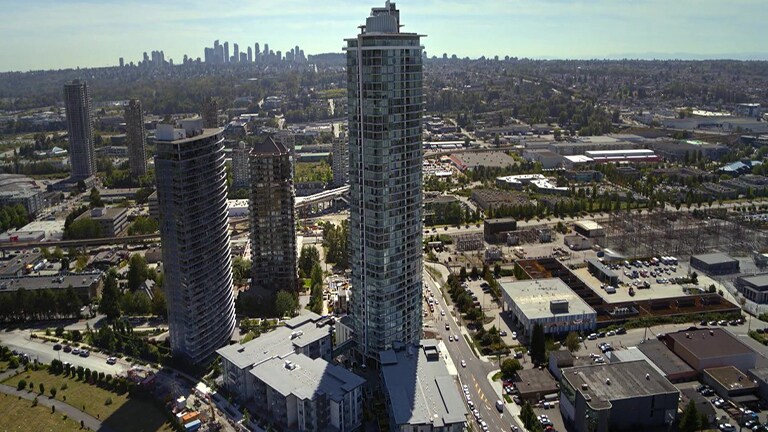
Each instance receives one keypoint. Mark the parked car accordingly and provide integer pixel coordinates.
(67, 349)
(111, 360)
(57, 347)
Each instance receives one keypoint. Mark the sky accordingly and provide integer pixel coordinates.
(55, 34)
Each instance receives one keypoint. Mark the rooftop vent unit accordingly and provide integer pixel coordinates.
(290, 365)
(584, 387)
(608, 381)
(648, 376)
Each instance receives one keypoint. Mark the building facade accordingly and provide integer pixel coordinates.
(241, 175)
(340, 160)
(385, 108)
(112, 220)
(285, 376)
(192, 201)
(272, 216)
(136, 138)
(77, 102)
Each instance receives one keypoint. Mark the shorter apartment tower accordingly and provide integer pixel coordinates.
(273, 223)
(285, 376)
(136, 137)
(340, 160)
(241, 176)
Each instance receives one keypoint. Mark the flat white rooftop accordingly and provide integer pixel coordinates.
(533, 297)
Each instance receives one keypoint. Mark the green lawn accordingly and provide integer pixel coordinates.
(19, 415)
(123, 414)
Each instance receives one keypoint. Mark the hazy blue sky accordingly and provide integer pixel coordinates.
(45, 34)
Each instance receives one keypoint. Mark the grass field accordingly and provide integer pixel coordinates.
(19, 415)
(123, 414)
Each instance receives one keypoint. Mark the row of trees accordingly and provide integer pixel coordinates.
(24, 305)
(144, 225)
(119, 336)
(14, 216)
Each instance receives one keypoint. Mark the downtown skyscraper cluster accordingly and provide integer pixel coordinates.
(219, 53)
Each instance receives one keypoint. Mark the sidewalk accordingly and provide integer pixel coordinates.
(91, 423)
(512, 408)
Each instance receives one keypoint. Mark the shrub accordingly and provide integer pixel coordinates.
(108, 401)
(34, 402)
(22, 385)
(64, 386)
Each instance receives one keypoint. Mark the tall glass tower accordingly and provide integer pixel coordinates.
(77, 102)
(194, 227)
(385, 106)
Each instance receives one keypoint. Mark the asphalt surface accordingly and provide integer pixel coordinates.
(475, 374)
(44, 353)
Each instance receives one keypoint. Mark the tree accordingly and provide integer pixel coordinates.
(690, 419)
(317, 276)
(307, 259)
(110, 297)
(137, 271)
(95, 198)
(22, 385)
(53, 392)
(85, 228)
(241, 270)
(143, 225)
(572, 342)
(286, 303)
(538, 345)
(42, 388)
(463, 273)
(509, 367)
(158, 305)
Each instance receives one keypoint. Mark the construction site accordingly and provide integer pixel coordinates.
(680, 234)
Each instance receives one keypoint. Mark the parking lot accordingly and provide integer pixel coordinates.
(643, 282)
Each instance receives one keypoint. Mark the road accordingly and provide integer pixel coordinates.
(476, 372)
(43, 352)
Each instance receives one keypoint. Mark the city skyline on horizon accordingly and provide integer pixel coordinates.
(62, 34)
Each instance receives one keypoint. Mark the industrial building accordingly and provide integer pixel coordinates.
(711, 348)
(617, 396)
(495, 230)
(672, 367)
(421, 394)
(602, 272)
(548, 302)
(87, 286)
(273, 219)
(385, 179)
(753, 288)
(194, 227)
(285, 376)
(622, 156)
(112, 220)
(589, 229)
(715, 263)
(731, 384)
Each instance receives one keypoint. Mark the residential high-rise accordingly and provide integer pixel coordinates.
(241, 177)
(235, 53)
(77, 102)
(210, 113)
(256, 53)
(385, 106)
(250, 55)
(192, 200)
(272, 217)
(340, 160)
(226, 52)
(136, 138)
(288, 140)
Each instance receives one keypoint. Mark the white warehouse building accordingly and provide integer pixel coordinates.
(549, 302)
